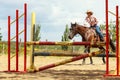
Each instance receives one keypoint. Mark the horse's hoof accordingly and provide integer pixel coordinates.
(104, 63)
(91, 63)
(83, 63)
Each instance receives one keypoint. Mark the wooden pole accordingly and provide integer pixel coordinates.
(25, 35)
(117, 41)
(119, 48)
(66, 43)
(17, 45)
(8, 43)
(107, 40)
(32, 39)
(69, 60)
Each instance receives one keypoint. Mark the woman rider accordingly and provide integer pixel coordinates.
(92, 21)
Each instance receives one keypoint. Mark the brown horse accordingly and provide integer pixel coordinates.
(87, 34)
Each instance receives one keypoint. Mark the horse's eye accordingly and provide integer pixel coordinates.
(70, 29)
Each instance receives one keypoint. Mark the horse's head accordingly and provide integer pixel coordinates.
(73, 30)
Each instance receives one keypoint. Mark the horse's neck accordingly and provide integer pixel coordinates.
(82, 30)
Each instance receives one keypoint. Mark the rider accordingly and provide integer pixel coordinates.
(92, 21)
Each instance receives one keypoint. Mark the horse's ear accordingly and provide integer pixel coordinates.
(71, 23)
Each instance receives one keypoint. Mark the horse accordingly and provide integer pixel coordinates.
(89, 35)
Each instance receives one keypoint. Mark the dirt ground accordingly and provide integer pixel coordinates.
(70, 71)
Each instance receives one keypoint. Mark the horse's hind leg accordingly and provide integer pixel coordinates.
(103, 56)
(103, 59)
(112, 45)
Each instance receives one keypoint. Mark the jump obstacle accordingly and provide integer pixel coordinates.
(69, 54)
(117, 71)
(107, 47)
(32, 43)
(17, 36)
(69, 60)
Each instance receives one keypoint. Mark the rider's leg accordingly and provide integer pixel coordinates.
(99, 33)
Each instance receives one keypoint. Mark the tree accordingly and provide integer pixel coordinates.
(65, 37)
(0, 40)
(102, 26)
(112, 29)
(0, 36)
(37, 33)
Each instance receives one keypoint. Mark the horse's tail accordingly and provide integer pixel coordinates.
(112, 45)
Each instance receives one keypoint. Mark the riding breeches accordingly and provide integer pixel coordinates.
(99, 32)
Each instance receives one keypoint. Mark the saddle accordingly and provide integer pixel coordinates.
(97, 37)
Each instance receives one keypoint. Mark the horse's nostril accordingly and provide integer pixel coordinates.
(68, 36)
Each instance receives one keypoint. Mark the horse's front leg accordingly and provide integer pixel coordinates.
(91, 61)
(85, 51)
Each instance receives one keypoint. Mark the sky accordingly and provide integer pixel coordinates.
(53, 15)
